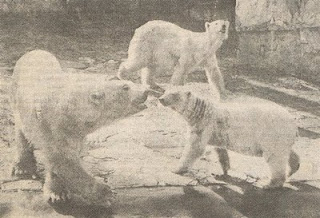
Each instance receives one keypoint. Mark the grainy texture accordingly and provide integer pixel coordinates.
(137, 155)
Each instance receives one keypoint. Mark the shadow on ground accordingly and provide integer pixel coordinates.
(284, 202)
(188, 201)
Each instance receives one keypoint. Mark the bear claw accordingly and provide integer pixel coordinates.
(55, 198)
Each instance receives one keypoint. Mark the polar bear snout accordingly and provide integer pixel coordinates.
(139, 96)
(163, 102)
(168, 99)
(223, 28)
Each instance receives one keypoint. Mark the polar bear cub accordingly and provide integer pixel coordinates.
(160, 46)
(252, 128)
(54, 111)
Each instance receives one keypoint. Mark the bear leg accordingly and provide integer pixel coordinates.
(294, 163)
(128, 67)
(191, 153)
(223, 160)
(214, 76)
(147, 79)
(277, 164)
(67, 180)
(180, 73)
(55, 189)
(25, 164)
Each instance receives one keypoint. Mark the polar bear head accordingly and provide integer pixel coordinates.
(218, 29)
(117, 99)
(175, 99)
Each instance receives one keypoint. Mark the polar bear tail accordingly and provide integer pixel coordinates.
(294, 163)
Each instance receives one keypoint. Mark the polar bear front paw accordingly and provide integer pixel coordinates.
(58, 195)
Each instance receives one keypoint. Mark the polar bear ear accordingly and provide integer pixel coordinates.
(207, 25)
(97, 97)
(126, 87)
(188, 94)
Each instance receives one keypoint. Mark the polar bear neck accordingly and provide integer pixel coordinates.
(195, 110)
(209, 45)
(214, 42)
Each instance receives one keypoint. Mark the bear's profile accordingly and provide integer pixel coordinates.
(252, 128)
(159, 46)
(54, 111)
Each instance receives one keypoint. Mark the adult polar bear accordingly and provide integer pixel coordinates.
(251, 127)
(54, 111)
(160, 46)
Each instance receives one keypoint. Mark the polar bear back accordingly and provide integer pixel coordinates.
(259, 127)
(160, 43)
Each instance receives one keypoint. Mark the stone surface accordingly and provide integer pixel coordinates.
(73, 64)
(310, 13)
(294, 52)
(266, 45)
(281, 14)
(143, 150)
(262, 13)
(23, 185)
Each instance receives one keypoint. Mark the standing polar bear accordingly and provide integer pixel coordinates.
(54, 111)
(160, 46)
(251, 128)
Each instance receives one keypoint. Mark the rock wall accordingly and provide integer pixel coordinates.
(277, 14)
(29, 5)
(280, 34)
(198, 10)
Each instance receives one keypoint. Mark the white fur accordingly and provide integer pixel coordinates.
(160, 46)
(248, 126)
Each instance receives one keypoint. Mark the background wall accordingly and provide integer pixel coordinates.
(96, 27)
(283, 35)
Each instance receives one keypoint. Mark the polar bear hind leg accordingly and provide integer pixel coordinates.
(147, 79)
(224, 160)
(182, 69)
(129, 66)
(277, 164)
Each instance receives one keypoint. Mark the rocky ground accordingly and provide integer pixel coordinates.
(136, 156)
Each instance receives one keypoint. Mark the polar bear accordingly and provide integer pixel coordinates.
(54, 111)
(160, 46)
(255, 128)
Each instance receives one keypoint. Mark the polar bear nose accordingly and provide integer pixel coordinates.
(224, 26)
(141, 96)
(145, 95)
(162, 101)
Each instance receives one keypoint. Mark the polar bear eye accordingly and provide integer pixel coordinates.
(126, 87)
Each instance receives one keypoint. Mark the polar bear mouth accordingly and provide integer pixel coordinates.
(136, 108)
(141, 106)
